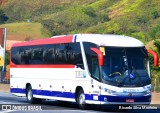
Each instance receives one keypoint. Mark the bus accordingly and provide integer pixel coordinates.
(82, 68)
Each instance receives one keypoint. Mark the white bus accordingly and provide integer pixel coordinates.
(82, 68)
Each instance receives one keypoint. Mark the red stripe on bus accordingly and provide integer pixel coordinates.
(56, 40)
(43, 66)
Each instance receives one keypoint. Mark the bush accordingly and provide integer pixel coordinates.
(89, 11)
(158, 88)
(103, 17)
(155, 32)
(154, 14)
(142, 19)
(3, 17)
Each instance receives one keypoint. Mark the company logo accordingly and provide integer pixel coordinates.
(84, 75)
(130, 90)
(91, 81)
(131, 75)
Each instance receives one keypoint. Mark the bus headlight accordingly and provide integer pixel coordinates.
(147, 91)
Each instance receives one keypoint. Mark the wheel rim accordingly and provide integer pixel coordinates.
(81, 99)
(29, 95)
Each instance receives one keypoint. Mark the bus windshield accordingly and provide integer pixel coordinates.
(126, 67)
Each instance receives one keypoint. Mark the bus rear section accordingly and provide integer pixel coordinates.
(48, 69)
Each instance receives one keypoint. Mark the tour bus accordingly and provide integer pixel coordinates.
(82, 68)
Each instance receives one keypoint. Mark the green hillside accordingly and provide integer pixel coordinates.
(136, 18)
(23, 31)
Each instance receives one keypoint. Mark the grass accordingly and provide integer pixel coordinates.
(124, 6)
(21, 31)
(133, 6)
(98, 4)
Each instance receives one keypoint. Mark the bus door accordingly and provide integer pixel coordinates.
(95, 79)
(97, 60)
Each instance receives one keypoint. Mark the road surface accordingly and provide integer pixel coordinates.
(20, 105)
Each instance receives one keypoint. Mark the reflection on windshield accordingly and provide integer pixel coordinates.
(126, 66)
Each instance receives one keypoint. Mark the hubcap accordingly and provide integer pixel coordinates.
(29, 95)
(81, 99)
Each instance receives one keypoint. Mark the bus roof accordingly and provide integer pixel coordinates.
(112, 40)
(52, 40)
(99, 39)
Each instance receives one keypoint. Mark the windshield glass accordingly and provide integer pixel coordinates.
(126, 66)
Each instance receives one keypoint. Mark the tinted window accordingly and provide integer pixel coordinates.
(95, 68)
(48, 54)
(92, 60)
(74, 54)
(126, 66)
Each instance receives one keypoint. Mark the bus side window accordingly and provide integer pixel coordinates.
(36, 56)
(95, 68)
(48, 56)
(15, 57)
(58, 54)
(75, 55)
(24, 57)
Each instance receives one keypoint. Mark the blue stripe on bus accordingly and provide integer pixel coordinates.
(87, 96)
(75, 37)
(18, 90)
(54, 93)
(45, 93)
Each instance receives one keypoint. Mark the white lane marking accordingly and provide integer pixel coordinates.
(6, 95)
(7, 111)
(4, 102)
(74, 111)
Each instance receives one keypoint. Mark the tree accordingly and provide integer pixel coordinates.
(154, 14)
(143, 22)
(155, 32)
(3, 17)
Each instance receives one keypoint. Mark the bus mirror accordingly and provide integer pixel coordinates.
(100, 56)
(154, 54)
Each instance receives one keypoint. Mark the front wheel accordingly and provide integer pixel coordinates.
(81, 100)
(30, 98)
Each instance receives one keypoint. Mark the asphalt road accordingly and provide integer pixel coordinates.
(20, 105)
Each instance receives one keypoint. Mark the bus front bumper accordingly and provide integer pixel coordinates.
(126, 99)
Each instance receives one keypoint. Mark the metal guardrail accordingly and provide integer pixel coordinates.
(3, 78)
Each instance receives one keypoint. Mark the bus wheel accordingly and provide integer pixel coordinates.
(30, 98)
(81, 100)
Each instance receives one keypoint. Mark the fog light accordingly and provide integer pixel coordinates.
(148, 91)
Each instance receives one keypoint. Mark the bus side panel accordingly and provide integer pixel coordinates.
(46, 82)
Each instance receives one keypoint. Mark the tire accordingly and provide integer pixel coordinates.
(81, 100)
(30, 98)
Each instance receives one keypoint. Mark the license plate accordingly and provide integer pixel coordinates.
(130, 100)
